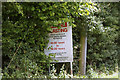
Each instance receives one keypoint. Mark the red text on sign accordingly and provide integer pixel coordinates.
(59, 30)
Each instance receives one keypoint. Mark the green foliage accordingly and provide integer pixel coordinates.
(102, 45)
(91, 73)
(1, 74)
(25, 35)
(102, 49)
(102, 31)
(62, 74)
(96, 74)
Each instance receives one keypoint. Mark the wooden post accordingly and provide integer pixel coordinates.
(83, 49)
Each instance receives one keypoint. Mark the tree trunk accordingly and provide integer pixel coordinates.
(83, 49)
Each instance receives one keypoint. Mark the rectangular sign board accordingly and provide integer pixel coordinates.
(60, 43)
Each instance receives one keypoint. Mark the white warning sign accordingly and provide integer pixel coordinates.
(60, 43)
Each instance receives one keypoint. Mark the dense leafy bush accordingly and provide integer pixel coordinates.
(25, 32)
(103, 35)
(25, 35)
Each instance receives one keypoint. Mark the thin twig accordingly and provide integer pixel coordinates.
(17, 49)
(14, 55)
